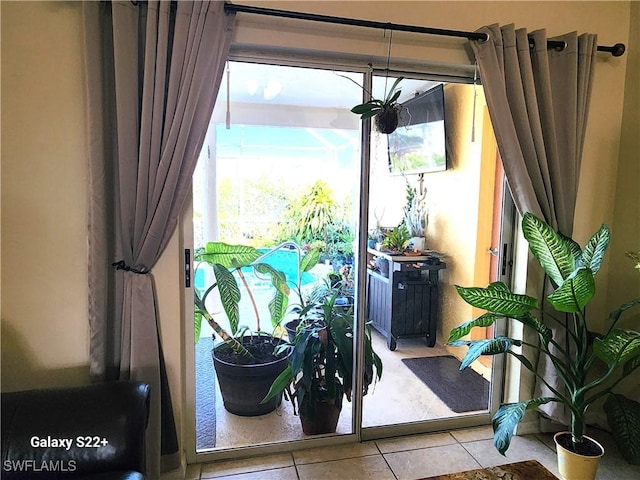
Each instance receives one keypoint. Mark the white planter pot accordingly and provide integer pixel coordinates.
(417, 243)
(573, 466)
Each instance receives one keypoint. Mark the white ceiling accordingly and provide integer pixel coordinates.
(304, 87)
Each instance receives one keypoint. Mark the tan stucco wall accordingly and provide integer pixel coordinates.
(44, 327)
(44, 295)
(624, 281)
(453, 198)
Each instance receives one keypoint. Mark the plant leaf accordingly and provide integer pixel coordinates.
(495, 299)
(529, 320)
(594, 250)
(506, 420)
(279, 384)
(393, 88)
(229, 295)
(370, 114)
(230, 256)
(623, 415)
(615, 315)
(551, 249)
(278, 278)
(576, 291)
(394, 98)
(197, 325)
(498, 286)
(489, 346)
(524, 360)
(278, 308)
(575, 250)
(310, 260)
(366, 107)
(618, 347)
(484, 320)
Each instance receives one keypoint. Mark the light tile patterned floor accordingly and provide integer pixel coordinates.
(407, 458)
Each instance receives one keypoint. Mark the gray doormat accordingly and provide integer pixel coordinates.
(461, 391)
(205, 395)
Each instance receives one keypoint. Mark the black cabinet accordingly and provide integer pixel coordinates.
(403, 299)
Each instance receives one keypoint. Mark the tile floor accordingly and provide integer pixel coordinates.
(399, 397)
(410, 457)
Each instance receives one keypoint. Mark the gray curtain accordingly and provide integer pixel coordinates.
(538, 100)
(153, 72)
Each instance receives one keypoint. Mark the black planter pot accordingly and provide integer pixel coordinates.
(244, 386)
(291, 328)
(325, 421)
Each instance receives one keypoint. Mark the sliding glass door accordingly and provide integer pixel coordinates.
(279, 175)
(288, 171)
(432, 182)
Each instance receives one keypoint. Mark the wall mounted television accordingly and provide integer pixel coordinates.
(419, 143)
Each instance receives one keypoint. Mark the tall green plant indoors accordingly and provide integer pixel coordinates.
(227, 262)
(571, 270)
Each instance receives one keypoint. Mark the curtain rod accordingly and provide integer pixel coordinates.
(616, 50)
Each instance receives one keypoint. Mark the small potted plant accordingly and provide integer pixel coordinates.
(386, 112)
(320, 369)
(396, 240)
(589, 365)
(415, 219)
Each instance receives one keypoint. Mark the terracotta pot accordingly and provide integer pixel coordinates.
(573, 466)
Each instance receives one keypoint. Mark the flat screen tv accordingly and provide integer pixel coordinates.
(419, 143)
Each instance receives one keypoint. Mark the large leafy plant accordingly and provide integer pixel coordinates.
(571, 271)
(228, 263)
(309, 216)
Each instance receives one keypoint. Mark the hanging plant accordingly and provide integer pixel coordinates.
(385, 112)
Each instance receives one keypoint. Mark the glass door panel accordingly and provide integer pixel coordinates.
(431, 207)
(279, 172)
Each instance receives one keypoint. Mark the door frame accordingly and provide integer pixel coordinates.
(359, 433)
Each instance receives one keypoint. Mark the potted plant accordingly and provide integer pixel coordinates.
(320, 366)
(415, 219)
(246, 361)
(305, 302)
(397, 239)
(385, 111)
(578, 363)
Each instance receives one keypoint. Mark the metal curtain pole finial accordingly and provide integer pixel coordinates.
(616, 50)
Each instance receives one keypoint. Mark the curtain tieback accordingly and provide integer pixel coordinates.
(123, 266)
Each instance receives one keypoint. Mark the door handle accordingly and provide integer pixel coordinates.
(493, 251)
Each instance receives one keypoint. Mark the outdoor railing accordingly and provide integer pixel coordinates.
(287, 244)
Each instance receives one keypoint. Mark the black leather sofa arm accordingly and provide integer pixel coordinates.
(94, 431)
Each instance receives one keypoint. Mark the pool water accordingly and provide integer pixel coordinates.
(284, 260)
(287, 262)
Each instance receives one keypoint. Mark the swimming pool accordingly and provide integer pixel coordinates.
(285, 260)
